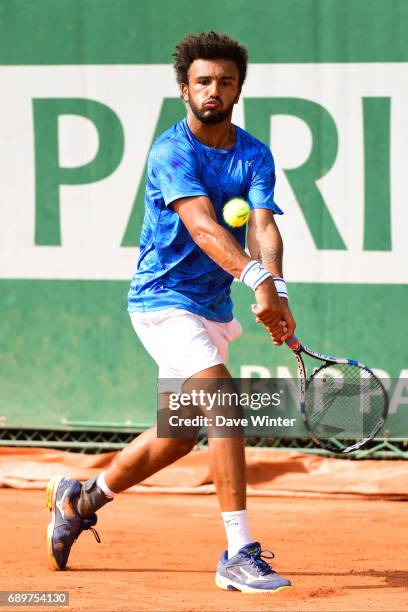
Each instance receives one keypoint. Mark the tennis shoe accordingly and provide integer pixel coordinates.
(66, 524)
(249, 572)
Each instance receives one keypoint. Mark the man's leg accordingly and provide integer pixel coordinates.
(73, 505)
(148, 454)
(176, 340)
(243, 567)
(227, 464)
(144, 456)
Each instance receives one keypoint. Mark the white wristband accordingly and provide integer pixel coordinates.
(280, 287)
(254, 274)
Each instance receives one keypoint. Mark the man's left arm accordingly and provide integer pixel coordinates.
(265, 244)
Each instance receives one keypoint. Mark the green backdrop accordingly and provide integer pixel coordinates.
(87, 88)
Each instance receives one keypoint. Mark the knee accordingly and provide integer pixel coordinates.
(180, 446)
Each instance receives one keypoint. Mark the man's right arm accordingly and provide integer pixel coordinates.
(198, 215)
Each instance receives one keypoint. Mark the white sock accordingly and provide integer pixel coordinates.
(101, 482)
(237, 530)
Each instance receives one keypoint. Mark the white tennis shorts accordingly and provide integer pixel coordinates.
(182, 343)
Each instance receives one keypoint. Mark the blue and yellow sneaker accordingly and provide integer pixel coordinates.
(248, 572)
(66, 525)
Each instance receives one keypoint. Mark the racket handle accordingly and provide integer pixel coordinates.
(293, 343)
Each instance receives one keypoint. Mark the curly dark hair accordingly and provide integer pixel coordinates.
(208, 45)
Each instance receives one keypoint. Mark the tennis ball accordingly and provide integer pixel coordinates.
(236, 212)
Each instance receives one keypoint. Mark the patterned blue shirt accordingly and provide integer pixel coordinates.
(172, 271)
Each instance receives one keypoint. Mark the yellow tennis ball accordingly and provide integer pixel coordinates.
(236, 212)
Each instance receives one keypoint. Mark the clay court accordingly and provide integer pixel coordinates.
(343, 551)
(127, 128)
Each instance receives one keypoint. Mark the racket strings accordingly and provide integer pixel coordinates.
(343, 401)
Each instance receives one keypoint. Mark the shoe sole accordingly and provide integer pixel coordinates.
(229, 585)
(50, 495)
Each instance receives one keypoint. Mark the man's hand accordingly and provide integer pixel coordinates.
(288, 318)
(271, 312)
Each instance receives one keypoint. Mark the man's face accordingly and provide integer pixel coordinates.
(212, 89)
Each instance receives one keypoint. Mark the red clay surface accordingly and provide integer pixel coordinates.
(159, 552)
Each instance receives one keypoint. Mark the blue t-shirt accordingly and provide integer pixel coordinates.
(172, 271)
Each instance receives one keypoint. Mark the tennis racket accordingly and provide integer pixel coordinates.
(343, 403)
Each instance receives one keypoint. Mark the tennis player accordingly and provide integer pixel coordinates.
(179, 298)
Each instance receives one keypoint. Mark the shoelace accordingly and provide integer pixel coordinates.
(86, 528)
(257, 559)
(96, 534)
(85, 523)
